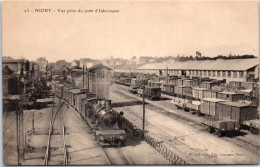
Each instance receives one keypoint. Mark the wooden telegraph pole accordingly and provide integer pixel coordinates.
(143, 110)
(87, 76)
(83, 78)
(17, 130)
(167, 75)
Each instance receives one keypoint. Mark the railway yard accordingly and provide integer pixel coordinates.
(187, 121)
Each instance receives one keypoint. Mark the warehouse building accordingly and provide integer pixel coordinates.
(230, 70)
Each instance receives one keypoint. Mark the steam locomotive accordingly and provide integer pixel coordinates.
(109, 130)
(104, 121)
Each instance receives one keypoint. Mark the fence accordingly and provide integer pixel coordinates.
(164, 151)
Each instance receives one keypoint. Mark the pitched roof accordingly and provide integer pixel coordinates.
(75, 90)
(233, 64)
(100, 65)
(7, 70)
(213, 100)
(235, 104)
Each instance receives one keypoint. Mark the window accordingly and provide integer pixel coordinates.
(218, 73)
(200, 73)
(241, 74)
(100, 74)
(223, 73)
(196, 72)
(209, 73)
(213, 73)
(204, 73)
(234, 74)
(229, 74)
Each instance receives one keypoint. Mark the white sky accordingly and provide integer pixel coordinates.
(141, 28)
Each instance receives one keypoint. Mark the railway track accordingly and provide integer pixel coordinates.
(115, 156)
(56, 154)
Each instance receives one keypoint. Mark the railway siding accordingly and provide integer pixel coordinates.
(182, 135)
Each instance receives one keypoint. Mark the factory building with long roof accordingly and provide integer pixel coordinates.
(231, 70)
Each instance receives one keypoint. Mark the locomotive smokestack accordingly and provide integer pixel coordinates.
(108, 104)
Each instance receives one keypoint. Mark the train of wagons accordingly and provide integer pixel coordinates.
(226, 107)
(108, 125)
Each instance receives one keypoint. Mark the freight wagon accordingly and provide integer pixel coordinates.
(256, 91)
(80, 98)
(180, 82)
(173, 81)
(209, 105)
(187, 92)
(221, 127)
(230, 96)
(236, 111)
(198, 93)
(210, 93)
(58, 91)
(235, 84)
(65, 92)
(190, 83)
(193, 106)
(152, 93)
(178, 90)
(124, 81)
(180, 103)
(72, 93)
(136, 84)
(168, 89)
(207, 85)
(252, 125)
(248, 85)
(154, 84)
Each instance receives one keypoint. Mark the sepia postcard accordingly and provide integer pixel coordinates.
(170, 82)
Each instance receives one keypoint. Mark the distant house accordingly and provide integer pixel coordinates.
(43, 63)
(15, 65)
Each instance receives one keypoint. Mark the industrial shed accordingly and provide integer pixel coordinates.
(231, 70)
